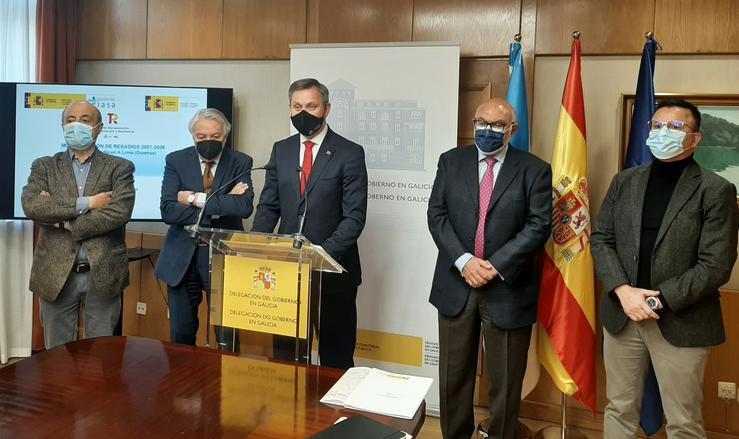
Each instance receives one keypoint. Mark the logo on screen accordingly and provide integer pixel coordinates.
(112, 119)
(265, 279)
(162, 103)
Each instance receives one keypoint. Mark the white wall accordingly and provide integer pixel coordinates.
(261, 114)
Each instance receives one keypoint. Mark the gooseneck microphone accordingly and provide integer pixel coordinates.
(297, 243)
(193, 229)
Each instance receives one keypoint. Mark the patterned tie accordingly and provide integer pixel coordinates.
(486, 192)
(307, 165)
(208, 176)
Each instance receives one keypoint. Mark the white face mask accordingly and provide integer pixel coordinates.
(666, 143)
(78, 135)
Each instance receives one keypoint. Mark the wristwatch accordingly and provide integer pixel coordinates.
(191, 199)
(653, 303)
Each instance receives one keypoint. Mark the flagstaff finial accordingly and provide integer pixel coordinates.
(649, 35)
(517, 38)
(576, 35)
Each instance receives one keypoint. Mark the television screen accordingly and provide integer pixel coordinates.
(141, 124)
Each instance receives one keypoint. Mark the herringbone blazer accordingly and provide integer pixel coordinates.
(100, 231)
(693, 256)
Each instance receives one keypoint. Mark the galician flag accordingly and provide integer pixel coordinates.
(566, 294)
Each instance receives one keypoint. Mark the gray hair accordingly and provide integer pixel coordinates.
(305, 84)
(97, 110)
(210, 113)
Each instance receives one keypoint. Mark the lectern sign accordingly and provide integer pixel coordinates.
(261, 295)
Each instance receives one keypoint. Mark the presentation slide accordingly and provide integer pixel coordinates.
(141, 124)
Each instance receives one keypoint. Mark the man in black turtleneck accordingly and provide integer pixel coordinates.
(664, 242)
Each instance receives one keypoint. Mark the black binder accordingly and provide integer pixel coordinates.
(359, 427)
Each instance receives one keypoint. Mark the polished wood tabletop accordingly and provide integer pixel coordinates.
(116, 387)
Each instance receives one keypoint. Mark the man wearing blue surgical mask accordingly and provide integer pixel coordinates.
(664, 242)
(81, 198)
(490, 214)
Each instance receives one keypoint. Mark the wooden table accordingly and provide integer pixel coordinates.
(130, 387)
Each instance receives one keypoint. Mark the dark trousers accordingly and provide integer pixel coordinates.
(505, 360)
(335, 319)
(184, 300)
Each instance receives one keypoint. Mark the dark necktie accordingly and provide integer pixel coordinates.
(307, 165)
(208, 176)
(486, 192)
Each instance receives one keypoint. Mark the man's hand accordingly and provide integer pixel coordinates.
(99, 200)
(182, 197)
(477, 272)
(239, 189)
(634, 302)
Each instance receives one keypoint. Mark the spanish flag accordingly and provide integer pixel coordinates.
(566, 295)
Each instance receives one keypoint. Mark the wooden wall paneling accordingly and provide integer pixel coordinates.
(111, 29)
(155, 324)
(131, 293)
(607, 27)
(482, 27)
(722, 366)
(689, 26)
(359, 21)
(262, 29)
(479, 79)
(185, 29)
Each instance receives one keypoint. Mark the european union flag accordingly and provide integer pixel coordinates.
(638, 154)
(516, 96)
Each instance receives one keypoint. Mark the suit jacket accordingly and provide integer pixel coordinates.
(100, 231)
(692, 257)
(336, 194)
(182, 172)
(518, 224)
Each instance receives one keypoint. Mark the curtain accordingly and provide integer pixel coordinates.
(16, 302)
(17, 40)
(56, 36)
(17, 63)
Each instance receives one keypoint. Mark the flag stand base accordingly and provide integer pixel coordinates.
(561, 431)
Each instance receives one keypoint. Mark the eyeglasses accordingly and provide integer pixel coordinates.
(675, 125)
(497, 126)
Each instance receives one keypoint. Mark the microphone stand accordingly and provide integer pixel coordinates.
(298, 245)
(193, 230)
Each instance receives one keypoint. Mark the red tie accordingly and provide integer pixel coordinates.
(486, 192)
(307, 165)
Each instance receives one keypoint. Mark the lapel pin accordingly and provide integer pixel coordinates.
(328, 152)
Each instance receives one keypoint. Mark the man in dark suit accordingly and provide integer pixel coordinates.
(489, 214)
(82, 198)
(664, 242)
(191, 174)
(330, 191)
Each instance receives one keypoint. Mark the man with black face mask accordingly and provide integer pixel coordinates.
(190, 174)
(331, 192)
(490, 214)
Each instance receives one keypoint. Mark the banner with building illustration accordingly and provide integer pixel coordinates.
(399, 101)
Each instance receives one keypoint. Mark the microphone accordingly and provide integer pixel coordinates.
(297, 243)
(193, 229)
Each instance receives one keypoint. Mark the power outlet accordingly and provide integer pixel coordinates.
(141, 309)
(726, 390)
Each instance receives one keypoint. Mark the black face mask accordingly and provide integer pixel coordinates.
(306, 123)
(209, 149)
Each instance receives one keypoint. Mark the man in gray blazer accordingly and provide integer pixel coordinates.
(490, 214)
(664, 242)
(81, 198)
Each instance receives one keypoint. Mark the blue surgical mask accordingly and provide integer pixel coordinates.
(666, 143)
(78, 135)
(489, 140)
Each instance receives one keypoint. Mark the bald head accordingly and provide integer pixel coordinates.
(81, 111)
(496, 109)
